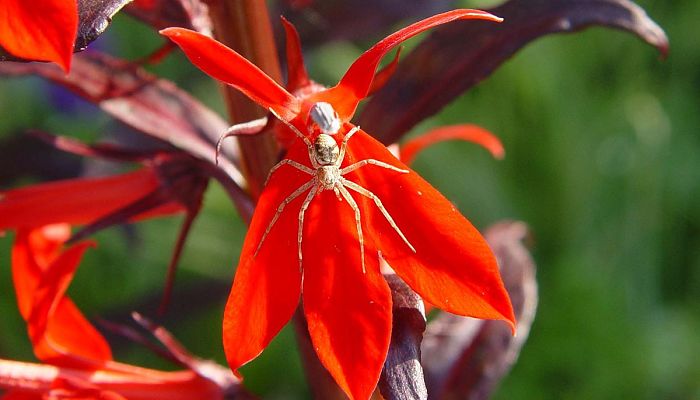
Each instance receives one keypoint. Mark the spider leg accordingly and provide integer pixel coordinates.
(246, 128)
(359, 189)
(280, 208)
(344, 145)
(358, 223)
(371, 161)
(292, 127)
(302, 211)
(292, 163)
(337, 193)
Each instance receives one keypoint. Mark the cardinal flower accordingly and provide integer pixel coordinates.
(336, 205)
(78, 360)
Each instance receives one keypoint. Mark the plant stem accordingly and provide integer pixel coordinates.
(320, 380)
(244, 25)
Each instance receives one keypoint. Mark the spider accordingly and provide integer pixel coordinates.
(326, 174)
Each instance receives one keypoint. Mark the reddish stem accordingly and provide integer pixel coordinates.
(244, 25)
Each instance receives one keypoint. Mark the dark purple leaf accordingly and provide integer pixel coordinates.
(23, 156)
(107, 151)
(326, 20)
(160, 14)
(459, 55)
(153, 106)
(465, 358)
(402, 376)
(94, 18)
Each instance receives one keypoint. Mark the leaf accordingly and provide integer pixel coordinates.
(402, 377)
(153, 106)
(465, 358)
(458, 56)
(161, 14)
(323, 21)
(24, 156)
(94, 18)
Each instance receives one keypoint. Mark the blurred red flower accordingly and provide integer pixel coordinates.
(78, 360)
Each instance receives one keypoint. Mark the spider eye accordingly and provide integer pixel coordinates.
(325, 117)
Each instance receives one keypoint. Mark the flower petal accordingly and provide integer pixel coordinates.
(32, 253)
(226, 65)
(453, 267)
(357, 81)
(267, 286)
(70, 340)
(75, 201)
(296, 71)
(59, 332)
(348, 311)
(466, 132)
(383, 75)
(42, 30)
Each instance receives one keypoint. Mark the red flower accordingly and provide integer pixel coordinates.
(169, 183)
(41, 272)
(42, 30)
(78, 359)
(317, 212)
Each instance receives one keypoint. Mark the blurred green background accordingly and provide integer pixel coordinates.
(602, 162)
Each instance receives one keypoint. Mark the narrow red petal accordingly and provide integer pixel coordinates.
(356, 82)
(70, 340)
(348, 311)
(51, 285)
(296, 71)
(32, 253)
(382, 76)
(466, 132)
(226, 65)
(42, 30)
(59, 332)
(75, 201)
(453, 267)
(267, 286)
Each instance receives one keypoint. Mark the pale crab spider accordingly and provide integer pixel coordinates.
(326, 174)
